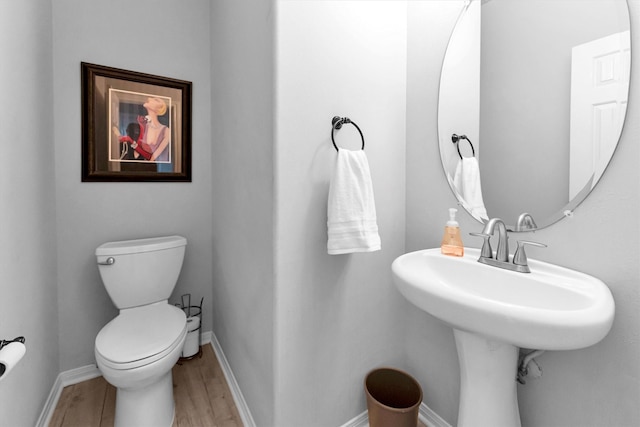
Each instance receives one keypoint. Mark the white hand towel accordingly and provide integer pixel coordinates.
(467, 182)
(351, 211)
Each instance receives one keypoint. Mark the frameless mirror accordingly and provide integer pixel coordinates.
(535, 94)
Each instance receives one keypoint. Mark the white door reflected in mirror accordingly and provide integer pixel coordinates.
(599, 92)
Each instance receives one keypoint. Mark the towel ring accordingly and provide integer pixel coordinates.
(337, 122)
(455, 138)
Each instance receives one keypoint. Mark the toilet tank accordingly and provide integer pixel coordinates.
(142, 271)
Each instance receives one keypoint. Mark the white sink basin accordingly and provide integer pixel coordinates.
(551, 308)
(494, 312)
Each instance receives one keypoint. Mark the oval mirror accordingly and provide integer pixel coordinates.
(532, 101)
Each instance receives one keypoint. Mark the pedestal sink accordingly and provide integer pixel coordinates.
(494, 312)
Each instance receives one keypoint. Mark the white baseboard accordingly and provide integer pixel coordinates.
(206, 337)
(361, 420)
(426, 415)
(241, 404)
(66, 378)
(430, 418)
(50, 404)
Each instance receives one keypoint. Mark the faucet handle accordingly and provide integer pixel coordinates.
(520, 257)
(486, 251)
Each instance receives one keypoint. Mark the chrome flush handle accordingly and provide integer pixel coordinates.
(109, 261)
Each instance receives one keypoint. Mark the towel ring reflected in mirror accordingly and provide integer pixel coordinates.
(456, 139)
(337, 122)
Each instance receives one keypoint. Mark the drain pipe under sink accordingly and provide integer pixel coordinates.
(523, 366)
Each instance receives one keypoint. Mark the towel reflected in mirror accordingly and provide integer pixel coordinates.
(467, 183)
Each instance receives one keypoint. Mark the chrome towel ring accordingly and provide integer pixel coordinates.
(337, 122)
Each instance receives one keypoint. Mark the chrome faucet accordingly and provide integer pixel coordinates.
(502, 251)
(526, 223)
(501, 259)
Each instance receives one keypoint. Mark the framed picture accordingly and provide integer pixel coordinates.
(135, 126)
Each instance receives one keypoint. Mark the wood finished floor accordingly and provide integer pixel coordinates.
(202, 396)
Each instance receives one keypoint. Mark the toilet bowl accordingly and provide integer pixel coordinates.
(135, 353)
(136, 350)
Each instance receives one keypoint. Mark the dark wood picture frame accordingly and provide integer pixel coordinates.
(135, 126)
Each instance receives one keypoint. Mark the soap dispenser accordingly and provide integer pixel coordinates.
(451, 241)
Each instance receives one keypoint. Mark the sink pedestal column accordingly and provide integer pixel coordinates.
(488, 394)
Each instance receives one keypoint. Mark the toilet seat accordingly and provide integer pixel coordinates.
(140, 336)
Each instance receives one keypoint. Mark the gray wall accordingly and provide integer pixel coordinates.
(337, 316)
(243, 195)
(596, 386)
(172, 41)
(28, 304)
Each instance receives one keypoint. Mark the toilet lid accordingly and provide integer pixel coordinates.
(140, 333)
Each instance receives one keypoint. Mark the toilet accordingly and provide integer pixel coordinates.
(136, 351)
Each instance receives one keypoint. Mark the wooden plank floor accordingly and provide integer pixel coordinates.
(202, 396)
